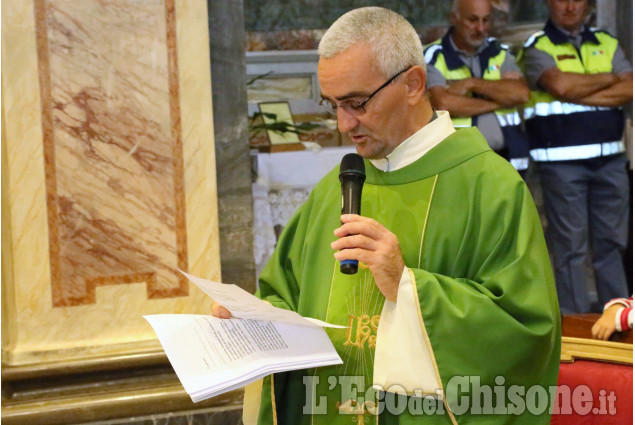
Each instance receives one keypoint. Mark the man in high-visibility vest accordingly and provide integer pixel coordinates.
(477, 80)
(579, 79)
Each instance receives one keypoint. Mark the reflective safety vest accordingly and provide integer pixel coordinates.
(564, 131)
(442, 55)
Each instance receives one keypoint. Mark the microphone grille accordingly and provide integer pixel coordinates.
(352, 163)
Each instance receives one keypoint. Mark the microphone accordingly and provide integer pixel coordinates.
(352, 176)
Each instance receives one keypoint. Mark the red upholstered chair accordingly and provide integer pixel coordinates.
(595, 385)
(593, 392)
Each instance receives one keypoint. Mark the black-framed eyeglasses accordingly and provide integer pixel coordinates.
(353, 107)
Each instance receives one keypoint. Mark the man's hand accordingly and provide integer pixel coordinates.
(605, 326)
(367, 241)
(460, 87)
(220, 311)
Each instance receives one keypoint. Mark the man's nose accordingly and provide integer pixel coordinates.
(482, 26)
(345, 121)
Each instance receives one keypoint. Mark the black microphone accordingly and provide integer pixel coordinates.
(352, 176)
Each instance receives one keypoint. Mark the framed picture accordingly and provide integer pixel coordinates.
(278, 76)
(278, 112)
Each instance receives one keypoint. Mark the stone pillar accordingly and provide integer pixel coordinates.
(624, 27)
(233, 164)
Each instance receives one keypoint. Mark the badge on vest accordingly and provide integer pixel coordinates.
(597, 52)
(565, 57)
(494, 67)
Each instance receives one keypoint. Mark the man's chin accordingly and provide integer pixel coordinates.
(571, 24)
(366, 153)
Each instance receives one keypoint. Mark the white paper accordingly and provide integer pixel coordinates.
(244, 305)
(212, 355)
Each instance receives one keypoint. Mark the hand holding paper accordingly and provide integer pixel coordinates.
(212, 356)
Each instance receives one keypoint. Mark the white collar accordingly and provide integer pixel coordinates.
(417, 145)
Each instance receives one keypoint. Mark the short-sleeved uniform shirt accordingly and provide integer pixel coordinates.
(487, 123)
(536, 61)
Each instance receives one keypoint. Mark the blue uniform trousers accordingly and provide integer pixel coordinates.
(587, 201)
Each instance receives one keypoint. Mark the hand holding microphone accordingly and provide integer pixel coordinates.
(364, 239)
(352, 176)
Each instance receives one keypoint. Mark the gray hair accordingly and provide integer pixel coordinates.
(454, 10)
(455, 7)
(394, 43)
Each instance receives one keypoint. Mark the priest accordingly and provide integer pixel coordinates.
(453, 315)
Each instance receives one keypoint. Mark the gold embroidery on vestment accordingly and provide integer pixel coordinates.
(362, 329)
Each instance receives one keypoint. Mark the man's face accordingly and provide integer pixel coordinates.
(471, 23)
(568, 14)
(350, 76)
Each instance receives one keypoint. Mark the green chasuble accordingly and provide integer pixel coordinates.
(471, 236)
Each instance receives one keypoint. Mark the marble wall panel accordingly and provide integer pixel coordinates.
(112, 147)
(109, 182)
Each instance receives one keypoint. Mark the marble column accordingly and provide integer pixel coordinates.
(233, 163)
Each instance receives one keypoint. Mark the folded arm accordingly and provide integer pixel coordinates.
(456, 98)
(511, 90)
(616, 95)
(458, 105)
(573, 87)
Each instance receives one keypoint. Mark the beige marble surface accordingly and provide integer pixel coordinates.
(109, 172)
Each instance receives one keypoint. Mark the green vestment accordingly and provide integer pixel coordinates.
(470, 233)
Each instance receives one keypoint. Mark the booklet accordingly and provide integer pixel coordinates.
(212, 356)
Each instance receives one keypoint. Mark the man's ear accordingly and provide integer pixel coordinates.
(416, 81)
(453, 18)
